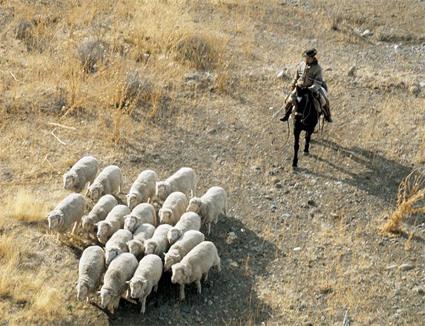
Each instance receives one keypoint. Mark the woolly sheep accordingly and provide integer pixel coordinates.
(146, 277)
(109, 181)
(210, 206)
(194, 265)
(67, 213)
(81, 173)
(137, 245)
(188, 221)
(180, 249)
(113, 222)
(142, 213)
(158, 244)
(91, 267)
(184, 180)
(99, 212)
(173, 208)
(118, 273)
(142, 189)
(117, 244)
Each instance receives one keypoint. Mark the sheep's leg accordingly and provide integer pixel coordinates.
(209, 228)
(219, 265)
(205, 276)
(74, 228)
(143, 302)
(182, 296)
(198, 286)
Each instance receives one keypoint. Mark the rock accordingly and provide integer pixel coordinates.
(273, 207)
(391, 267)
(297, 249)
(278, 185)
(281, 74)
(422, 84)
(232, 263)
(367, 33)
(231, 237)
(419, 290)
(275, 180)
(352, 71)
(415, 90)
(311, 202)
(91, 52)
(406, 267)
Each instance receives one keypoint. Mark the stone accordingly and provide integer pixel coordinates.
(391, 267)
(352, 71)
(406, 267)
(231, 237)
(419, 290)
(422, 84)
(415, 90)
(297, 249)
(367, 33)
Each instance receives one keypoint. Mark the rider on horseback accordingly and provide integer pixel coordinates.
(309, 76)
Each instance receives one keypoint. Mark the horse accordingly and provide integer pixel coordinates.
(306, 118)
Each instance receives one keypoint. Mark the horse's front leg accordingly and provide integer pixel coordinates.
(297, 132)
(307, 142)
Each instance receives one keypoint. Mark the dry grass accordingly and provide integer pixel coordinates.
(26, 207)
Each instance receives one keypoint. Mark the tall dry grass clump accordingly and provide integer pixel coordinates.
(410, 200)
(26, 207)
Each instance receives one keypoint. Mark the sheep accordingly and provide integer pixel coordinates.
(143, 189)
(117, 244)
(109, 181)
(81, 173)
(158, 244)
(180, 249)
(142, 213)
(137, 245)
(146, 277)
(91, 267)
(173, 208)
(194, 265)
(184, 180)
(210, 206)
(113, 222)
(67, 213)
(188, 221)
(118, 273)
(99, 212)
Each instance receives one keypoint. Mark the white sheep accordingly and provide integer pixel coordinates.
(90, 270)
(142, 213)
(118, 273)
(146, 277)
(81, 173)
(67, 213)
(158, 244)
(188, 221)
(109, 181)
(194, 265)
(180, 249)
(112, 223)
(99, 212)
(173, 208)
(143, 189)
(117, 244)
(210, 206)
(184, 180)
(142, 233)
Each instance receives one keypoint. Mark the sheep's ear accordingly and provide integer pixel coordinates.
(127, 282)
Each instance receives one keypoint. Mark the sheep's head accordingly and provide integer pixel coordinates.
(82, 291)
(130, 223)
(136, 247)
(95, 191)
(162, 190)
(180, 273)
(137, 288)
(150, 247)
(111, 254)
(103, 231)
(69, 180)
(55, 219)
(87, 223)
(132, 200)
(165, 215)
(194, 205)
(106, 297)
(171, 258)
(173, 235)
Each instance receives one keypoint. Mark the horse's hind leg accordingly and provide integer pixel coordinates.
(307, 142)
(297, 132)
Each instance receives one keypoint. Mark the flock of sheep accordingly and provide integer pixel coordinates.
(139, 243)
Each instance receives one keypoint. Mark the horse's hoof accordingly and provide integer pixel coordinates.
(306, 153)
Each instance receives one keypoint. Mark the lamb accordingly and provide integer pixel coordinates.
(117, 244)
(109, 181)
(210, 206)
(158, 244)
(146, 277)
(91, 268)
(143, 189)
(184, 180)
(194, 265)
(180, 249)
(67, 213)
(188, 221)
(173, 208)
(113, 222)
(81, 173)
(142, 213)
(137, 245)
(99, 212)
(118, 273)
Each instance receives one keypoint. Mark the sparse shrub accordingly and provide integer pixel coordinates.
(27, 207)
(91, 53)
(23, 30)
(134, 90)
(35, 34)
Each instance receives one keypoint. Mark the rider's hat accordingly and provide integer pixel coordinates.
(310, 53)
